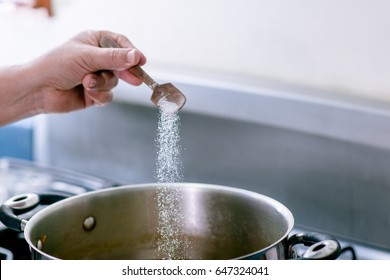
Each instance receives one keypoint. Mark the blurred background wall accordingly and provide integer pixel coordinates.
(340, 45)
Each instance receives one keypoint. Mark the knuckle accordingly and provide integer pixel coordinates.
(114, 55)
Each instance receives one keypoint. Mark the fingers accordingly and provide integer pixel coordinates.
(115, 52)
(117, 59)
(97, 87)
(121, 42)
(102, 80)
(99, 82)
(97, 98)
(128, 77)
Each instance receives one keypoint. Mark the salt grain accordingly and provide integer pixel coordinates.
(172, 243)
(167, 107)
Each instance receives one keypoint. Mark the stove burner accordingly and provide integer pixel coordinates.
(13, 246)
(349, 249)
(6, 254)
(20, 177)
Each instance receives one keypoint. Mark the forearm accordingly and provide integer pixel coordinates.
(17, 97)
(73, 76)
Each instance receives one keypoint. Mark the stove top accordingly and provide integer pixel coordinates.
(13, 246)
(18, 176)
(21, 176)
(362, 252)
(353, 250)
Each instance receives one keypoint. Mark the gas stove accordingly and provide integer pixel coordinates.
(353, 250)
(19, 176)
(13, 246)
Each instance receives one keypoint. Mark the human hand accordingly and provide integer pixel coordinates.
(73, 76)
(79, 73)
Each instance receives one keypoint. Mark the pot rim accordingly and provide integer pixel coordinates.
(281, 208)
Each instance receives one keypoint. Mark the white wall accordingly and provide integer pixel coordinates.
(338, 45)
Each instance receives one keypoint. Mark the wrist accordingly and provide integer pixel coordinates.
(18, 96)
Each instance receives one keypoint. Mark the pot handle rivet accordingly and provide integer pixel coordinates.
(89, 223)
(39, 244)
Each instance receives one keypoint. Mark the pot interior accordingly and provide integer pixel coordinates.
(208, 222)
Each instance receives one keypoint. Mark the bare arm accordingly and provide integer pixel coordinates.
(73, 76)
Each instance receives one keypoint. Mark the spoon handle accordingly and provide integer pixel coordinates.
(106, 42)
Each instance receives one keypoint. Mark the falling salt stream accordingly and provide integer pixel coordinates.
(172, 243)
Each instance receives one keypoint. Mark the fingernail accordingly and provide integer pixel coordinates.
(96, 102)
(92, 82)
(99, 104)
(133, 56)
(92, 91)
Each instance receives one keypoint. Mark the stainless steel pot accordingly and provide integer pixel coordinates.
(122, 223)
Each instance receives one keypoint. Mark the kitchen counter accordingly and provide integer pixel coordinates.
(319, 112)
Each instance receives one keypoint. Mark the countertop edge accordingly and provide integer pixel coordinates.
(324, 113)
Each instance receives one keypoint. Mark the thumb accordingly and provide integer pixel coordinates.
(115, 59)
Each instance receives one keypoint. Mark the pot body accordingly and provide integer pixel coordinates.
(216, 223)
(154, 221)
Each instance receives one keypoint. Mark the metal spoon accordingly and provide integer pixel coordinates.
(162, 93)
